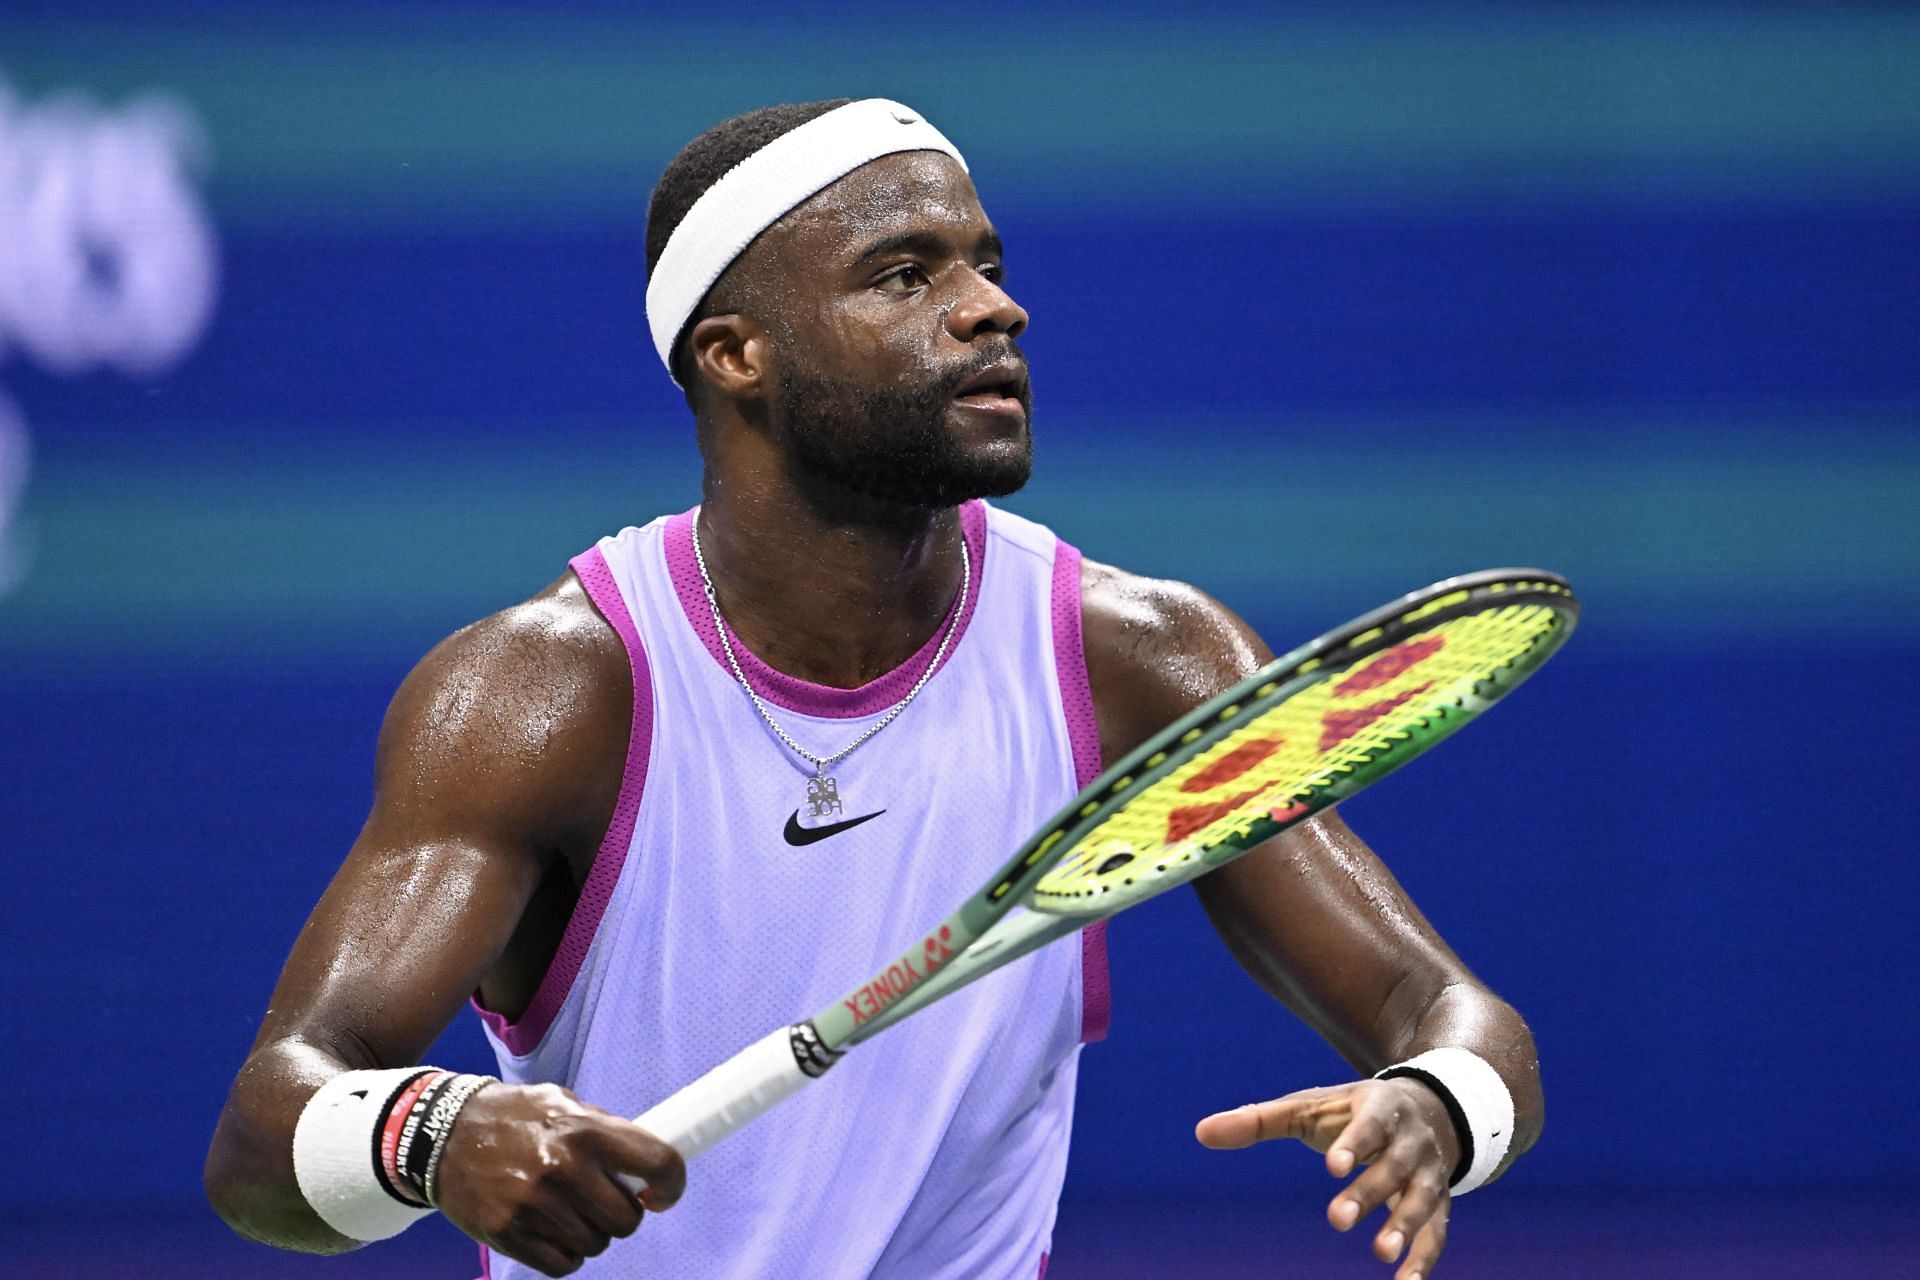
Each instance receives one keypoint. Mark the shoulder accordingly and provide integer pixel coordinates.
(551, 653)
(527, 710)
(1156, 649)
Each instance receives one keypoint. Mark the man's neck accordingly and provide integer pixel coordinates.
(834, 593)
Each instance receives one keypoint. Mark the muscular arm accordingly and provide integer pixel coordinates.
(1313, 915)
(497, 771)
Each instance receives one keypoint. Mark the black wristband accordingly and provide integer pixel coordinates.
(380, 1170)
(439, 1125)
(417, 1141)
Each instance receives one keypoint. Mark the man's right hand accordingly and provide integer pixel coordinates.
(531, 1171)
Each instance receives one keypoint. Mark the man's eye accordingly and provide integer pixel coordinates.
(907, 277)
(993, 273)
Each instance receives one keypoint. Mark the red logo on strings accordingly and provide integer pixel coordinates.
(1182, 823)
(1338, 726)
(1232, 765)
(1390, 664)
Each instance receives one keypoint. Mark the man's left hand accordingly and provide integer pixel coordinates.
(1398, 1128)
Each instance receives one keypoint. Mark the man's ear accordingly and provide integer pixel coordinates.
(730, 352)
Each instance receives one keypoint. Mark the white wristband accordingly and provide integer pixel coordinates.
(1476, 1098)
(335, 1147)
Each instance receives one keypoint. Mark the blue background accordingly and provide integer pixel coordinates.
(1325, 306)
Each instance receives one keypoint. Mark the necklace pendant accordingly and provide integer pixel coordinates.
(823, 792)
(823, 796)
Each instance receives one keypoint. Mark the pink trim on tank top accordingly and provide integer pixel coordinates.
(520, 1037)
(1083, 735)
(803, 696)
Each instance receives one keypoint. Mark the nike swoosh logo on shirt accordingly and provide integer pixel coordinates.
(798, 835)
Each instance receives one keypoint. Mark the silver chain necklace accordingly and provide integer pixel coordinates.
(823, 790)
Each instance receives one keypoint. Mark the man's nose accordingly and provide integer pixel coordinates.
(984, 307)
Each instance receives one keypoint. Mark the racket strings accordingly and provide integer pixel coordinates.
(1302, 753)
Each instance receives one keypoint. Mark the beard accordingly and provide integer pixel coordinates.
(895, 445)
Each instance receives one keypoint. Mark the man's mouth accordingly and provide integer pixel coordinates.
(995, 390)
(992, 402)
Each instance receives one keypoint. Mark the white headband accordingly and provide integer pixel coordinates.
(757, 192)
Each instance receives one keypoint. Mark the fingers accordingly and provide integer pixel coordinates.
(1427, 1244)
(1422, 1200)
(1371, 1123)
(570, 1220)
(1364, 1138)
(547, 1238)
(607, 1206)
(1312, 1116)
(632, 1150)
(547, 1259)
(1387, 1176)
(531, 1172)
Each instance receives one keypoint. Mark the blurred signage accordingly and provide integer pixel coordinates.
(107, 255)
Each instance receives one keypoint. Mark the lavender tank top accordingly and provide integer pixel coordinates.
(936, 1150)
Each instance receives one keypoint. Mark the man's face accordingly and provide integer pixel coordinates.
(896, 372)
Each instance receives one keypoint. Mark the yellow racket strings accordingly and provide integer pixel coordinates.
(1280, 762)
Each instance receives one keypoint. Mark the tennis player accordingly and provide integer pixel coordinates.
(735, 757)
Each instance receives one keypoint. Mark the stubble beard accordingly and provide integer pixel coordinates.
(895, 445)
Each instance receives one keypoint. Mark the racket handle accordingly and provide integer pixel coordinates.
(725, 1100)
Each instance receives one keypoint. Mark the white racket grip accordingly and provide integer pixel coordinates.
(725, 1100)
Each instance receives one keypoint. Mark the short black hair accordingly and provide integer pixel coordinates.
(703, 162)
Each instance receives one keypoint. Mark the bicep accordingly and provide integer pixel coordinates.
(500, 756)
(416, 912)
(401, 935)
(500, 753)
(409, 926)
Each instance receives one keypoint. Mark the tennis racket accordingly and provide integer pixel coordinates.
(1302, 734)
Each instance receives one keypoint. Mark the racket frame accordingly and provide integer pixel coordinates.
(984, 933)
(996, 940)
(879, 1003)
